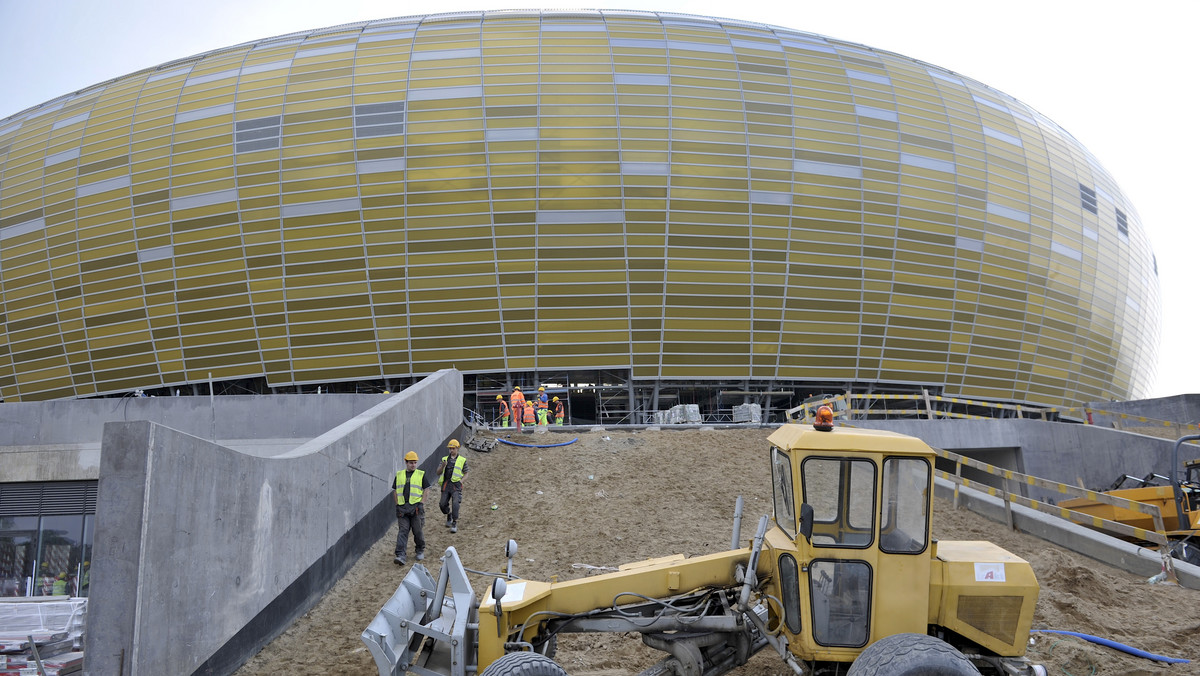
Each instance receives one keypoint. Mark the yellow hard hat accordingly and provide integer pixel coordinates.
(517, 388)
(453, 443)
(499, 397)
(411, 455)
(554, 399)
(541, 389)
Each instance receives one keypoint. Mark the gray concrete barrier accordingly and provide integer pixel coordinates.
(1106, 549)
(204, 554)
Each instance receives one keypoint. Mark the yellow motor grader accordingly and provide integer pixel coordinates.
(847, 580)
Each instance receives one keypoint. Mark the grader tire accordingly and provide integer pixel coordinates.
(524, 664)
(911, 655)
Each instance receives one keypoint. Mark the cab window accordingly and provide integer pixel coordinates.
(904, 510)
(842, 494)
(781, 488)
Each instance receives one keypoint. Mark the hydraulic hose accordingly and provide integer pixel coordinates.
(513, 443)
(1117, 646)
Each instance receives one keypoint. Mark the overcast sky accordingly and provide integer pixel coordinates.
(1119, 76)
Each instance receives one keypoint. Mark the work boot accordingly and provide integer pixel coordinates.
(421, 556)
(453, 526)
(449, 522)
(399, 560)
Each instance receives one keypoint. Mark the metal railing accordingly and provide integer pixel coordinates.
(1008, 476)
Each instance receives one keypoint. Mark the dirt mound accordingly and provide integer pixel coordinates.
(619, 496)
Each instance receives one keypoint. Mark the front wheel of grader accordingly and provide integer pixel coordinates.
(524, 664)
(911, 655)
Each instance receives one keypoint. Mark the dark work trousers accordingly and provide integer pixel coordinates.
(410, 517)
(449, 509)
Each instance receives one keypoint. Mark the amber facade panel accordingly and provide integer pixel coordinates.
(669, 195)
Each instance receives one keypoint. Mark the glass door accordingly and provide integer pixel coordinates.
(18, 541)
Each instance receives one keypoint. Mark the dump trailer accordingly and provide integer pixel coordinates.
(1178, 504)
(845, 575)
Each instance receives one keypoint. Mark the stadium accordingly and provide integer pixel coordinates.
(637, 209)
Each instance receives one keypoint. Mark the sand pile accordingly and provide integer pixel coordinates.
(620, 496)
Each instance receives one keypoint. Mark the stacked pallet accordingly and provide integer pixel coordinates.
(45, 629)
(54, 650)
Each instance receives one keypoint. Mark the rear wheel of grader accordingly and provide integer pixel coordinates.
(911, 655)
(524, 664)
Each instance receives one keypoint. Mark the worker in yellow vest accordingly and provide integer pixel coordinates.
(503, 410)
(409, 489)
(543, 407)
(451, 472)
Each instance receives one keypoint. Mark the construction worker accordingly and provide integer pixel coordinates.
(558, 412)
(529, 414)
(503, 410)
(543, 407)
(59, 588)
(451, 472)
(409, 488)
(517, 402)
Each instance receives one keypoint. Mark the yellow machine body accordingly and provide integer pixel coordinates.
(868, 569)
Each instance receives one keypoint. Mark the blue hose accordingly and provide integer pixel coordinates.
(1118, 646)
(513, 443)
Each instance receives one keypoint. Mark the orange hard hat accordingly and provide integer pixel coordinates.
(453, 443)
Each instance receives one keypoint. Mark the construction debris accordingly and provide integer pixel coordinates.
(45, 628)
(481, 444)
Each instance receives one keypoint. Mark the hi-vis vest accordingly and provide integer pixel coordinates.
(457, 474)
(415, 493)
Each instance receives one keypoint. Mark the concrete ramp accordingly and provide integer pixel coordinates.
(203, 554)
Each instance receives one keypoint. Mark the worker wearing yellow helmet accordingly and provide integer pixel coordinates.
(503, 410)
(558, 412)
(517, 403)
(409, 490)
(451, 472)
(543, 407)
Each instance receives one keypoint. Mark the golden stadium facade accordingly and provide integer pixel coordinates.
(666, 197)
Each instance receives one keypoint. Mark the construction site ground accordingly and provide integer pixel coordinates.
(616, 496)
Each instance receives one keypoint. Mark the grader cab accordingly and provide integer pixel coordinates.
(847, 575)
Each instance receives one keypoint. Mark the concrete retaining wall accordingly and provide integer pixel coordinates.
(1180, 408)
(1068, 454)
(60, 440)
(204, 554)
(1109, 550)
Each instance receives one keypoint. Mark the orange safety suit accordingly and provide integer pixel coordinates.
(518, 407)
(529, 419)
